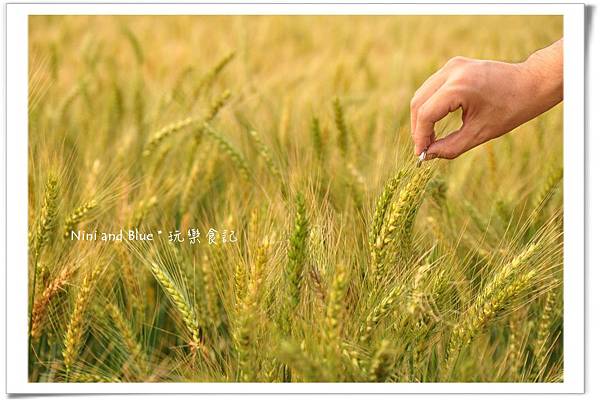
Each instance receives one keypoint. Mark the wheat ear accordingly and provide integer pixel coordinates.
(238, 160)
(381, 310)
(398, 225)
(185, 308)
(266, 155)
(245, 335)
(77, 217)
(342, 128)
(212, 75)
(551, 185)
(40, 306)
(127, 335)
(161, 135)
(480, 313)
(335, 306)
(316, 135)
(383, 204)
(210, 292)
(382, 363)
(76, 326)
(297, 252)
(47, 216)
(543, 341)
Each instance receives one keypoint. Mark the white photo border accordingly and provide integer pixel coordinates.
(17, 166)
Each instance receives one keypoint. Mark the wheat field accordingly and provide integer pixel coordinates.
(293, 237)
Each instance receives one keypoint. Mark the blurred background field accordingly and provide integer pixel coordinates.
(285, 130)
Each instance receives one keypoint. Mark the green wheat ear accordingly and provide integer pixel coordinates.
(383, 204)
(342, 128)
(543, 197)
(395, 236)
(165, 132)
(297, 254)
(236, 157)
(317, 139)
(509, 282)
(47, 217)
(266, 155)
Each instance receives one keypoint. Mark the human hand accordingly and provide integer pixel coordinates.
(495, 97)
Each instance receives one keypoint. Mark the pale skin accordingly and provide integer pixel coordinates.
(495, 97)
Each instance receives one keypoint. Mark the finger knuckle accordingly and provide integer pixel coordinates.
(456, 61)
(414, 103)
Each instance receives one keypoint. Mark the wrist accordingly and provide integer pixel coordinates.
(542, 75)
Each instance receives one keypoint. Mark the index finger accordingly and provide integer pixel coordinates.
(438, 106)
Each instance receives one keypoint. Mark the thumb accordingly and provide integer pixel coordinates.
(450, 146)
